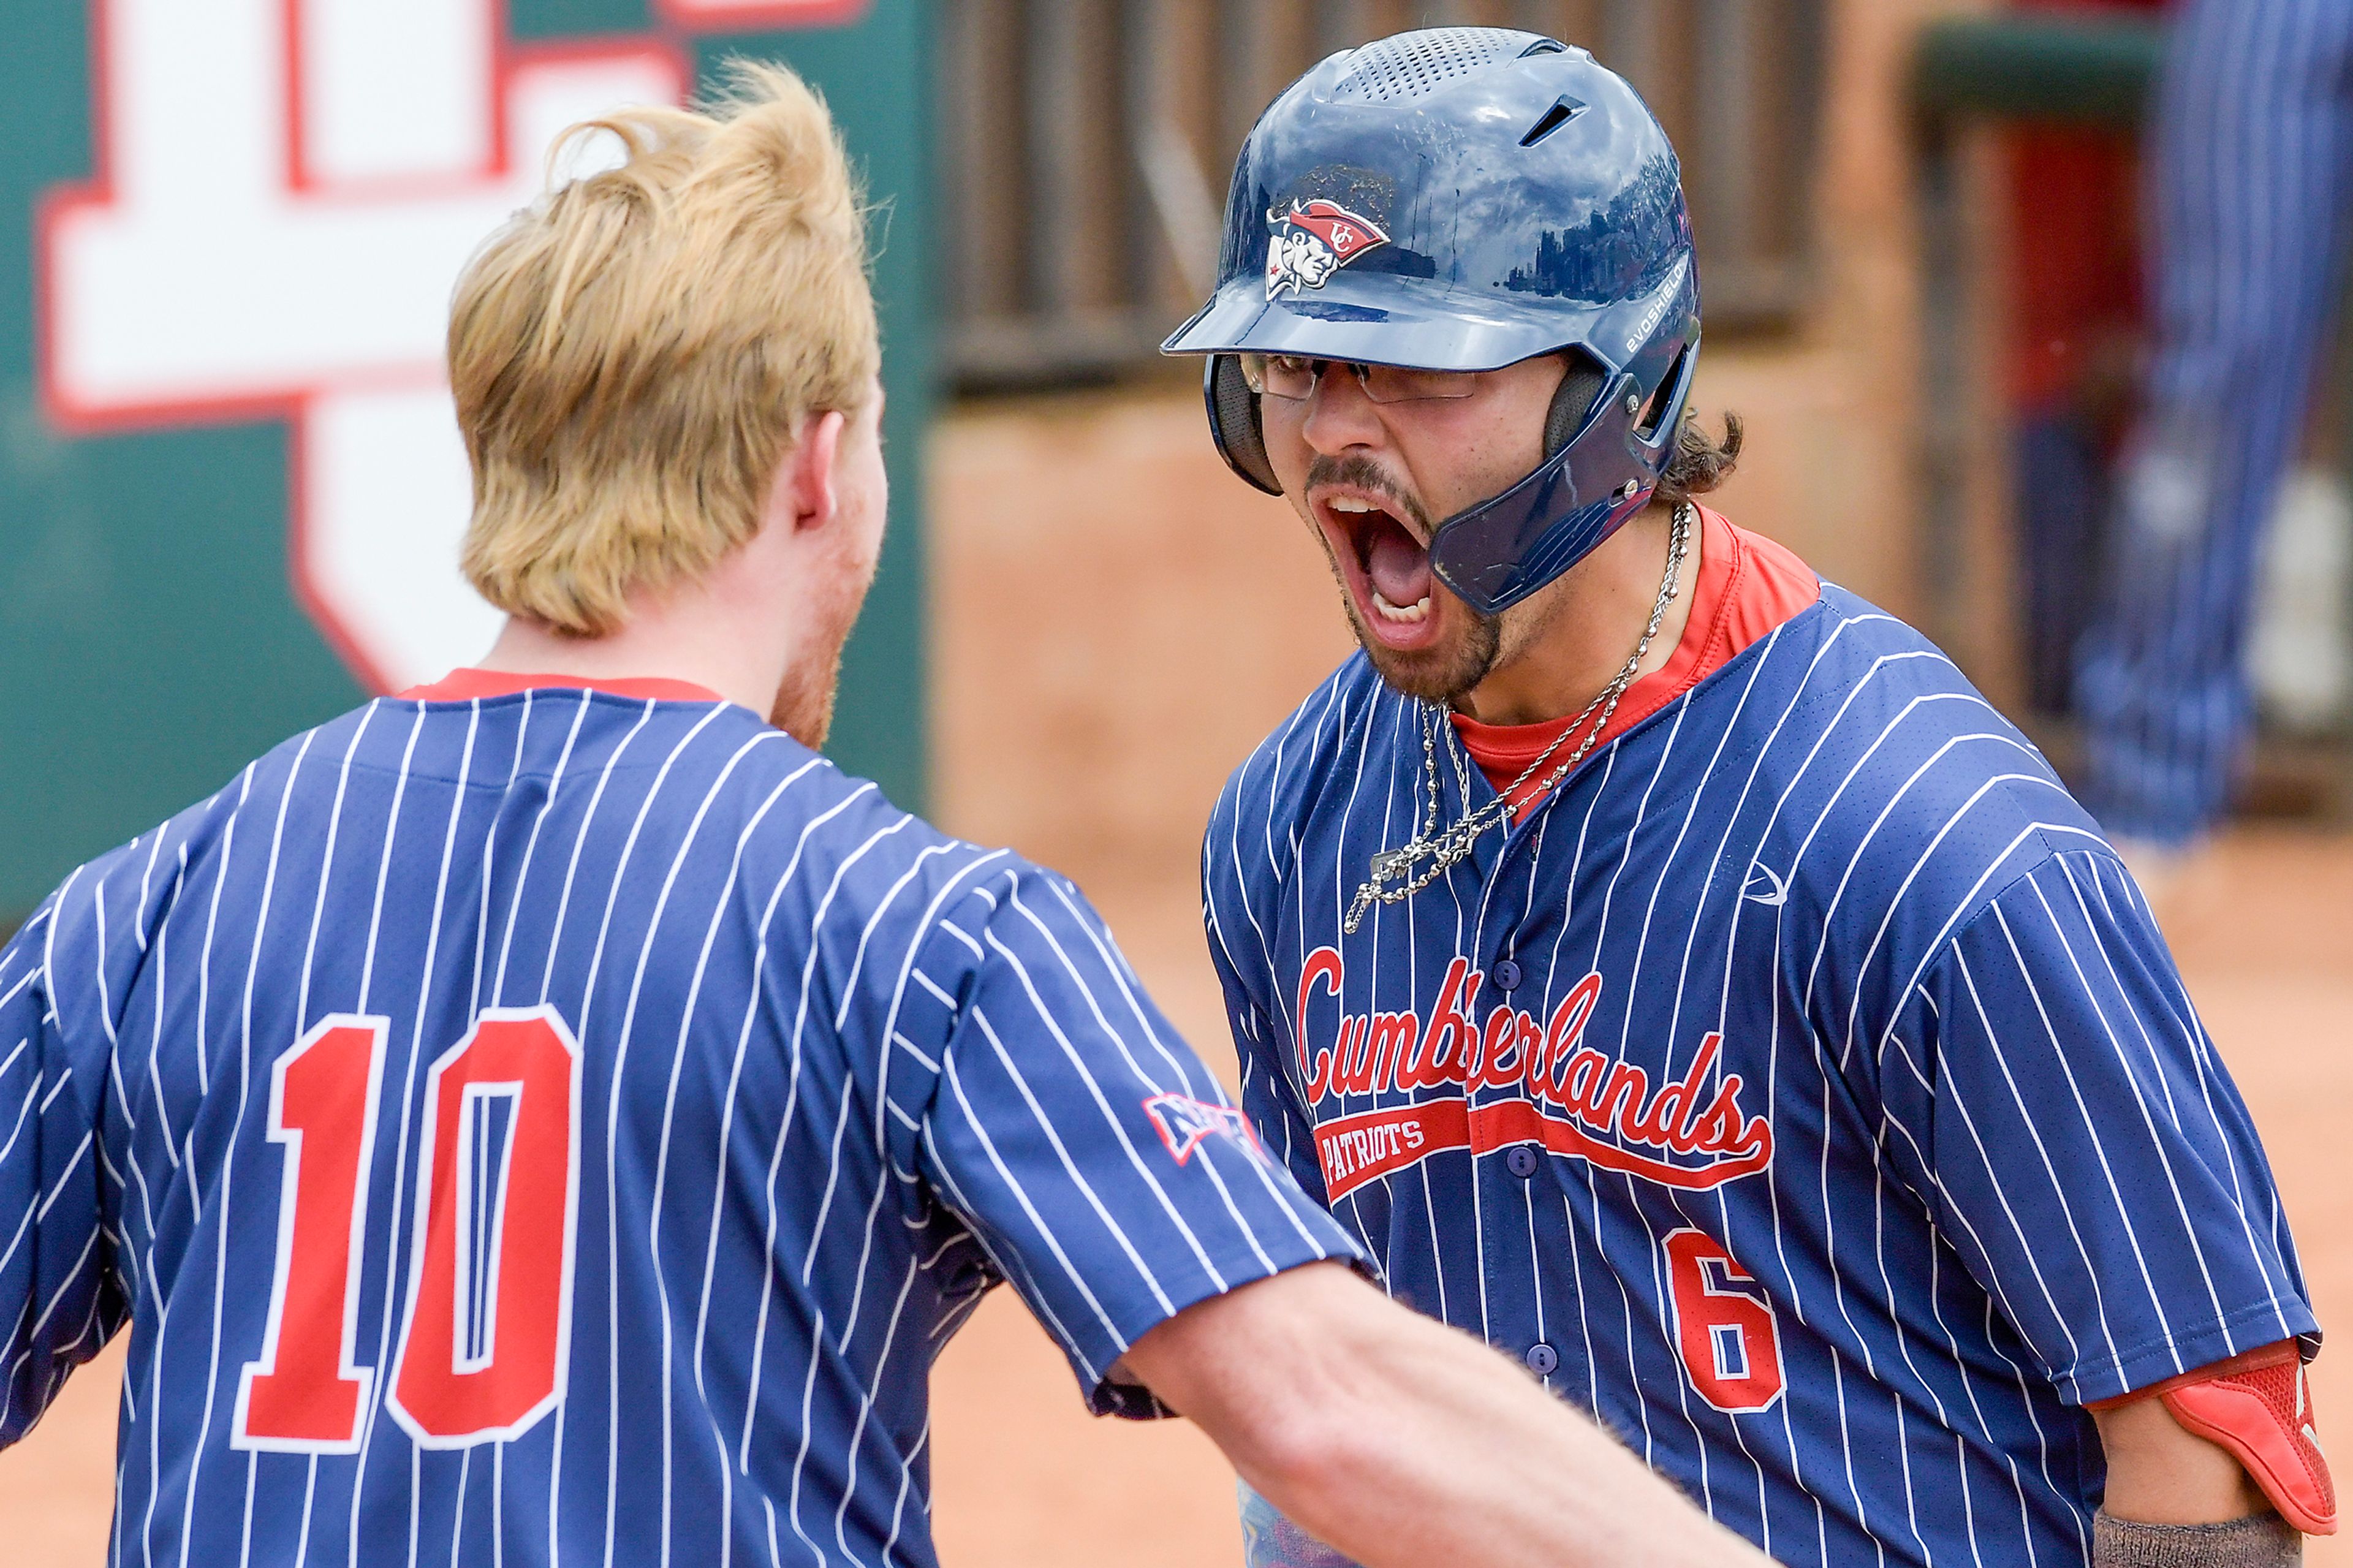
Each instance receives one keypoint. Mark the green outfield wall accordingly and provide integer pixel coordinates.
(204, 514)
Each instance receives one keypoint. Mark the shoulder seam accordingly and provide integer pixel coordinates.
(2051, 855)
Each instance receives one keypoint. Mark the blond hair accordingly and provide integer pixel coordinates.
(632, 354)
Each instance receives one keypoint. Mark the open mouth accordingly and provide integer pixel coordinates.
(1386, 562)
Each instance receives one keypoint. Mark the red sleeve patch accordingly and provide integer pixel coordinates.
(1183, 1122)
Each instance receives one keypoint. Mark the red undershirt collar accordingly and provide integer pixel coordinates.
(1745, 585)
(467, 685)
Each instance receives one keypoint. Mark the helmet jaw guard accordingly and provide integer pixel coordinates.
(1493, 555)
(1414, 220)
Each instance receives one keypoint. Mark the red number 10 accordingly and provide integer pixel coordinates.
(1730, 1341)
(489, 1307)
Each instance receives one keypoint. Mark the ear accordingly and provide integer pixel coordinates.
(809, 473)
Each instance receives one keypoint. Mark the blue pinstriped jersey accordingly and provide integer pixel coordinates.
(563, 1128)
(1803, 1088)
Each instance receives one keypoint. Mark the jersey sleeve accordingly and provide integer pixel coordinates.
(1099, 1161)
(1268, 1097)
(2050, 1088)
(59, 1299)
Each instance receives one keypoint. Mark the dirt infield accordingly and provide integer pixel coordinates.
(1116, 623)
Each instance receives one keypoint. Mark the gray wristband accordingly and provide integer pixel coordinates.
(2263, 1540)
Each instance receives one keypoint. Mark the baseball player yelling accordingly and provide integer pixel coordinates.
(555, 1117)
(1666, 964)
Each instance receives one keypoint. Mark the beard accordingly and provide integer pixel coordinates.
(803, 705)
(1441, 675)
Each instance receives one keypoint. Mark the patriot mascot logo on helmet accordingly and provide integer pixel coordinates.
(1312, 241)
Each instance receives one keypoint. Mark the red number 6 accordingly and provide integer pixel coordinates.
(1725, 1327)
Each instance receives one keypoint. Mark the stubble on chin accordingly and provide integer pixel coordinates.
(1440, 676)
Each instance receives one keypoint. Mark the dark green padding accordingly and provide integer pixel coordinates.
(2085, 68)
(150, 642)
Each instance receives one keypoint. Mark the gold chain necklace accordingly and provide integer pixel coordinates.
(1449, 848)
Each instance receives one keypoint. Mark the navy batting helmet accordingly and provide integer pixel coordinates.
(1464, 198)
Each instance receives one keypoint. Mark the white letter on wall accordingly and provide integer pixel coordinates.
(287, 191)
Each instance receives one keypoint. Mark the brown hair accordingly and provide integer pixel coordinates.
(632, 354)
(1701, 461)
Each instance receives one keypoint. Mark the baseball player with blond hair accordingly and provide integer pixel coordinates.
(554, 1116)
(1666, 964)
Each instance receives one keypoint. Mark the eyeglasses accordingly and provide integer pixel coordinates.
(1293, 377)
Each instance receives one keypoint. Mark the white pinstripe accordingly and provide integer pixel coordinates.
(613, 1101)
(366, 995)
(759, 963)
(244, 1083)
(407, 1102)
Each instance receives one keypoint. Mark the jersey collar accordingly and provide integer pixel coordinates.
(467, 685)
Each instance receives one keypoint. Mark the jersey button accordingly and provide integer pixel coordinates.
(1542, 1359)
(1521, 1161)
(1506, 974)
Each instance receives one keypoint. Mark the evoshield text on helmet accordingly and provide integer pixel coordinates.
(1465, 198)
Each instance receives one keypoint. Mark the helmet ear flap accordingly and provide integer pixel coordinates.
(1234, 423)
(1581, 382)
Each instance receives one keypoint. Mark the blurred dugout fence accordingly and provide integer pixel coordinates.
(1084, 147)
(2092, 69)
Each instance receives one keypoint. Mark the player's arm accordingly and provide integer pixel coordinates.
(57, 1301)
(2160, 1474)
(2221, 1464)
(1400, 1441)
(2048, 1079)
(1157, 1238)
(2175, 1498)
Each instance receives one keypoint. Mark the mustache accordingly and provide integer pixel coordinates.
(1359, 472)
